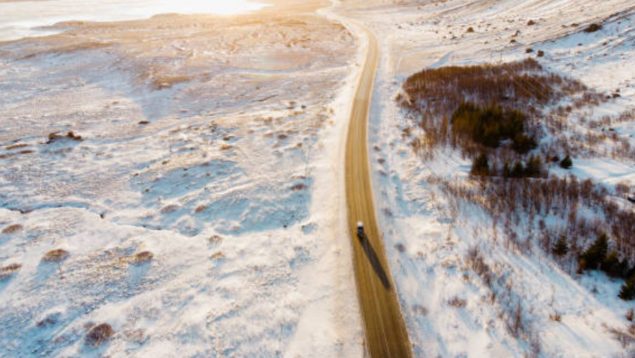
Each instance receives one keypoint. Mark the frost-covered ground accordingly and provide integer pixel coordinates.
(212, 143)
(449, 310)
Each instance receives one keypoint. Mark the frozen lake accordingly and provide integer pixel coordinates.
(20, 19)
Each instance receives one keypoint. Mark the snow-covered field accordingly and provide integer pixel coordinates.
(212, 143)
(190, 168)
(19, 19)
(449, 310)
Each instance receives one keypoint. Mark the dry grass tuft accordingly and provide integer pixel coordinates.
(457, 302)
(56, 255)
(166, 82)
(9, 270)
(556, 317)
(142, 257)
(54, 137)
(16, 146)
(99, 335)
(215, 240)
(170, 209)
(12, 229)
(218, 256)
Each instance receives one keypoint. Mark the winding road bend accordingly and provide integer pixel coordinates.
(384, 327)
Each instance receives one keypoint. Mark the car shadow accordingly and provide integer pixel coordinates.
(374, 260)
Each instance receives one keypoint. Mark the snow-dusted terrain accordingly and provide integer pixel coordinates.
(211, 143)
(190, 168)
(533, 307)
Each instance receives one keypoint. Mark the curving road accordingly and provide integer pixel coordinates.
(384, 327)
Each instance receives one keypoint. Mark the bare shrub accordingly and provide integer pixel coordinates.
(99, 335)
(441, 90)
(625, 337)
(477, 264)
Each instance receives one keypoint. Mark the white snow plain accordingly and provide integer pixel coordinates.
(213, 143)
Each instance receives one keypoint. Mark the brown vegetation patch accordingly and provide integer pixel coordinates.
(142, 257)
(56, 255)
(218, 256)
(593, 28)
(299, 187)
(515, 85)
(457, 302)
(54, 137)
(12, 229)
(170, 209)
(99, 335)
(215, 240)
(9, 270)
(16, 146)
(165, 82)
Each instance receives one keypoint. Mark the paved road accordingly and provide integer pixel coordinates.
(386, 334)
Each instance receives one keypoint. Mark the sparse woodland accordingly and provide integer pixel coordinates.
(513, 121)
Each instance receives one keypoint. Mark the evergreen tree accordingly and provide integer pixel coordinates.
(566, 163)
(615, 267)
(561, 248)
(534, 167)
(627, 292)
(480, 166)
(518, 170)
(507, 172)
(595, 255)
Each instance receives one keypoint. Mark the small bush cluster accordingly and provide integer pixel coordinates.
(490, 125)
(498, 116)
(99, 335)
(597, 257)
(593, 28)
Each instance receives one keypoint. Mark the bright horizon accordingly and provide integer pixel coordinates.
(20, 19)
